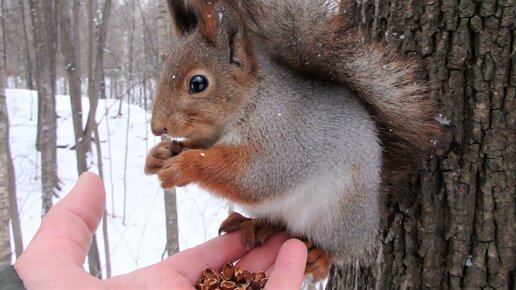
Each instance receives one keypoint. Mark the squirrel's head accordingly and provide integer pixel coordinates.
(208, 74)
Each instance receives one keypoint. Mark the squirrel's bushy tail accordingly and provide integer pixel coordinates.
(313, 37)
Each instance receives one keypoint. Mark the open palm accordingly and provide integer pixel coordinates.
(55, 257)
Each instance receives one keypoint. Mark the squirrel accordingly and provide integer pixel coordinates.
(287, 112)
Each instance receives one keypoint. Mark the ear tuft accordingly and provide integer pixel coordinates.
(183, 17)
(208, 17)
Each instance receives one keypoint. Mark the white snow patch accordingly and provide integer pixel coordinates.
(442, 119)
(141, 240)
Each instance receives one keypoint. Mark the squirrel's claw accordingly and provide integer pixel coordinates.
(254, 231)
(232, 223)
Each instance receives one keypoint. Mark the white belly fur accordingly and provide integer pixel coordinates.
(309, 208)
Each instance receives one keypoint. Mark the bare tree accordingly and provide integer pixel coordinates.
(94, 79)
(5, 241)
(42, 13)
(91, 70)
(28, 66)
(93, 93)
(8, 169)
(454, 225)
(172, 245)
(105, 232)
(72, 66)
(130, 45)
(164, 43)
(13, 202)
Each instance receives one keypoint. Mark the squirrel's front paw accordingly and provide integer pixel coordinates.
(173, 173)
(161, 153)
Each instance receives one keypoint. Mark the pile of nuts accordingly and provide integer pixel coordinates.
(231, 278)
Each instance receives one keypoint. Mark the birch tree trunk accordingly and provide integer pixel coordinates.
(454, 226)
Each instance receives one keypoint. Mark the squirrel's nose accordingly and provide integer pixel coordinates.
(157, 128)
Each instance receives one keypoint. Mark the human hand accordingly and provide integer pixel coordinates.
(55, 257)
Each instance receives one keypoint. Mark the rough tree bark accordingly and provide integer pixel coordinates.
(455, 226)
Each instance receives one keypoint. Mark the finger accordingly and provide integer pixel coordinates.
(261, 258)
(214, 253)
(67, 228)
(289, 267)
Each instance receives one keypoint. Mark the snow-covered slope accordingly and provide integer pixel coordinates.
(141, 240)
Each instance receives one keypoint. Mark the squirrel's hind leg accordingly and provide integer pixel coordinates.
(254, 231)
(318, 262)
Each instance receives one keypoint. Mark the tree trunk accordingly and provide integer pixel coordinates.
(164, 35)
(5, 240)
(13, 202)
(93, 93)
(164, 43)
(105, 231)
(76, 24)
(454, 225)
(172, 246)
(74, 79)
(129, 94)
(8, 184)
(28, 68)
(90, 7)
(94, 79)
(43, 22)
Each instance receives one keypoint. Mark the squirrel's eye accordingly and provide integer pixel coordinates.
(198, 84)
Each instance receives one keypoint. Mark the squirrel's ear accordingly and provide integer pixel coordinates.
(208, 18)
(184, 17)
(232, 34)
(220, 23)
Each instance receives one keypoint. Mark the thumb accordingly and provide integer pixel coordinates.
(65, 232)
(289, 267)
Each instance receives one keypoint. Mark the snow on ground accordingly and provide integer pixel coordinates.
(141, 240)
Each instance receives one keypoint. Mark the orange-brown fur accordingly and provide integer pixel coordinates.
(318, 263)
(256, 231)
(214, 169)
(209, 18)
